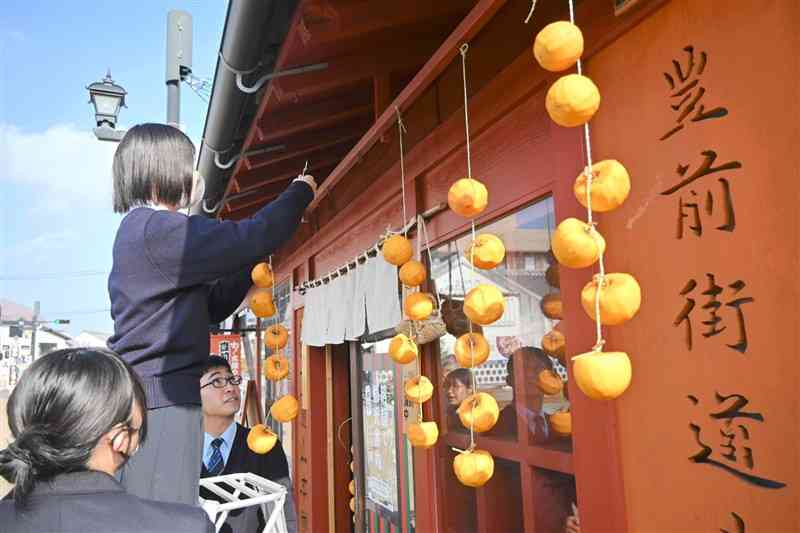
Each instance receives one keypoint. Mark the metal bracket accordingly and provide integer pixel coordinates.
(212, 210)
(266, 77)
(234, 159)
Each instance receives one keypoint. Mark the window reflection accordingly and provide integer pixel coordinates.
(528, 279)
(457, 386)
(555, 501)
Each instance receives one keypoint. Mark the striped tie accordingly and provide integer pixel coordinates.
(215, 464)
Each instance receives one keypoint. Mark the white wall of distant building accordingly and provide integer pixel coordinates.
(16, 353)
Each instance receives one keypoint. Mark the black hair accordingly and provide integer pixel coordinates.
(153, 163)
(214, 361)
(64, 403)
(460, 374)
(528, 352)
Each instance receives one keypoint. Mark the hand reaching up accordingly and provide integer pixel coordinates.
(305, 178)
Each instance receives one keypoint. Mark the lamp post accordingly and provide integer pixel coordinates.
(107, 98)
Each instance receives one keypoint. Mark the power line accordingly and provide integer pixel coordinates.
(79, 312)
(56, 275)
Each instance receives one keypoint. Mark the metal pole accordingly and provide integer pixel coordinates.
(179, 60)
(35, 326)
(173, 103)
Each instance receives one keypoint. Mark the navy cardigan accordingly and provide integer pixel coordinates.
(173, 275)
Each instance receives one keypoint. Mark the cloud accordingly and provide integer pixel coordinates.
(68, 167)
(11, 36)
(44, 244)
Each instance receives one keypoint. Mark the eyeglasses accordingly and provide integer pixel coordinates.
(220, 383)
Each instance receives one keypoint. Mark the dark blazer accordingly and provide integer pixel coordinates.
(91, 501)
(272, 466)
(174, 275)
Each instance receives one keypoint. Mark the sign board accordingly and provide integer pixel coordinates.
(229, 347)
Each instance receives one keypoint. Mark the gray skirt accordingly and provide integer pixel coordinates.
(167, 466)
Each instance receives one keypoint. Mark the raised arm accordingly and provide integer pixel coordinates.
(195, 250)
(225, 295)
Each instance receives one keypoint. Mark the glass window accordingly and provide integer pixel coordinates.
(460, 509)
(379, 416)
(555, 500)
(529, 282)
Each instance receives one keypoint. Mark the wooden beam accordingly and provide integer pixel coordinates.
(292, 167)
(294, 112)
(306, 145)
(326, 23)
(298, 121)
(271, 187)
(249, 205)
(480, 15)
(349, 69)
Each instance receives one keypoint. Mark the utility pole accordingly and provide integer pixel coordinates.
(179, 61)
(36, 308)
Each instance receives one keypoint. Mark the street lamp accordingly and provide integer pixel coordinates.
(107, 98)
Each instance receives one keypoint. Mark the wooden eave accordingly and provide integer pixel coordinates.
(373, 51)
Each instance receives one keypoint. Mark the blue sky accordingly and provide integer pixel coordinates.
(56, 222)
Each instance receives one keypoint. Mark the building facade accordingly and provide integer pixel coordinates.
(698, 442)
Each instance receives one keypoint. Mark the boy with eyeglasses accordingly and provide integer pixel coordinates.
(225, 448)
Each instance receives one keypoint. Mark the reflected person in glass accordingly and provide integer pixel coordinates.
(457, 386)
(534, 414)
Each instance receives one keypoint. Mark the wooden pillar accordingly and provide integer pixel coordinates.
(358, 440)
(340, 386)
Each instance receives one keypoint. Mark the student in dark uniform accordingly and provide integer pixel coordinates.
(225, 448)
(77, 416)
(172, 276)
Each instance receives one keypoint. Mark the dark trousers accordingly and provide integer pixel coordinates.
(167, 466)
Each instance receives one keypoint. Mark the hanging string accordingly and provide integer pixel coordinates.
(339, 432)
(423, 235)
(419, 385)
(271, 271)
(533, 6)
(464, 48)
(600, 277)
(401, 128)
(423, 229)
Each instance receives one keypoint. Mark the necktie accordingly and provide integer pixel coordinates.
(215, 464)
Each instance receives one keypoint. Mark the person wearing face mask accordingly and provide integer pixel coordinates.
(172, 276)
(77, 416)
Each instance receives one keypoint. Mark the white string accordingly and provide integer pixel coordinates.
(423, 229)
(272, 273)
(600, 278)
(533, 6)
(464, 48)
(400, 129)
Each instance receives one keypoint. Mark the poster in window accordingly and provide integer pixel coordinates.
(380, 452)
